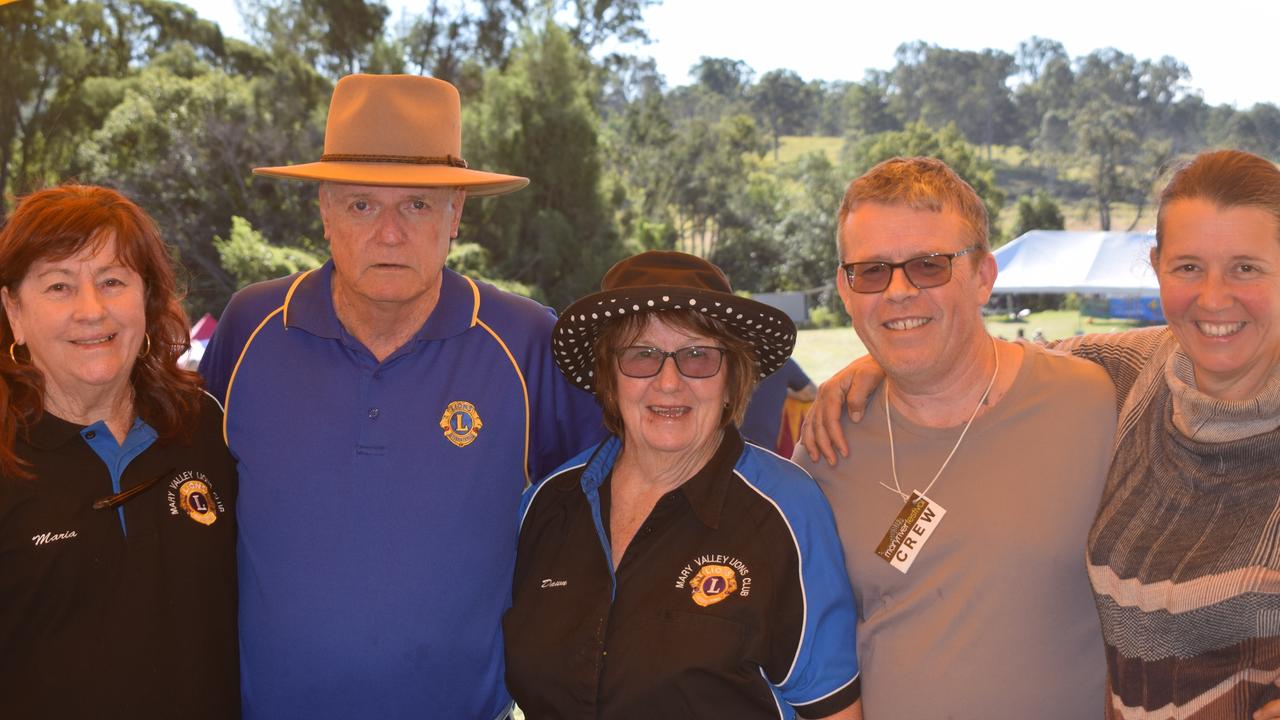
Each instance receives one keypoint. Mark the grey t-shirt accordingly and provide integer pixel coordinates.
(995, 618)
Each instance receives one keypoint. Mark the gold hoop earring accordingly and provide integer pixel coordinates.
(12, 357)
(145, 336)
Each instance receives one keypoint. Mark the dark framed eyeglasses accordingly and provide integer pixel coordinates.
(695, 361)
(923, 272)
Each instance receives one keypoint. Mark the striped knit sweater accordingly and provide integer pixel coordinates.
(1184, 556)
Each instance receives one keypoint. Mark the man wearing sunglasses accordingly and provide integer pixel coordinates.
(973, 477)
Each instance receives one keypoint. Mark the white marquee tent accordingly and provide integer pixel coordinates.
(1059, 261)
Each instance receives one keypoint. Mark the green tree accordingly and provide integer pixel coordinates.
(1120, 126)
(182, 140)
(1256, 130)
(719, 90)
(56, 54)
(1046, 86)
(782, 102)
(708, 162)
(781, 233)
(338, 37)
(249, 258)
(637, 157)
(1037, 212)
(472, 260)
(538, 118)
(939, 85)
(867, 108)
(947, 145)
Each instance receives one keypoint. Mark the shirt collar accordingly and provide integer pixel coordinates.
(705, 491)
(309, 306)
(51, 432)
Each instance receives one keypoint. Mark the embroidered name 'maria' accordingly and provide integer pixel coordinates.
(46, 538)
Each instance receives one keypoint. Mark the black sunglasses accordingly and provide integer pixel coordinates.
(923, 272)
(695, 361)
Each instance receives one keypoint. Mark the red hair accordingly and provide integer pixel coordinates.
(55, 224)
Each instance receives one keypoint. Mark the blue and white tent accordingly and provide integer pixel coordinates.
(1060, 261)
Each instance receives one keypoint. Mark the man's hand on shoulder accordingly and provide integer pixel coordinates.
(821, 434)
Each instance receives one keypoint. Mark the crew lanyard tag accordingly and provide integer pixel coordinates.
(909, 531)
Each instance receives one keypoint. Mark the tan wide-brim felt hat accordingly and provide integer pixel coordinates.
(400, 130)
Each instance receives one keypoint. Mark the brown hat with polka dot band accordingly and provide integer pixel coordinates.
(660, 281)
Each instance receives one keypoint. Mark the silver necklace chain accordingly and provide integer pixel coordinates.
(888, 421)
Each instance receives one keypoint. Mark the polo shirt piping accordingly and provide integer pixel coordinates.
(475, 302)
(524, 388)
(289, 295)
(852, 680)
(773, 692)
(804, 591)
(546, 482)
(231, 381)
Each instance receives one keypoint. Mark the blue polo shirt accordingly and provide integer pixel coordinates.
(378, 501)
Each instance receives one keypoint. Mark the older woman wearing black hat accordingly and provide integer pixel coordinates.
(673, 570)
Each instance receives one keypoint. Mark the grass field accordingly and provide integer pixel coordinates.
(822, 352)
(791, 147)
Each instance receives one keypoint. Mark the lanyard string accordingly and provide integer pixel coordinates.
(893, 460)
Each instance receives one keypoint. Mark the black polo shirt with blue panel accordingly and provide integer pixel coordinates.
(380, 500)
(731, 601)
(125, 611)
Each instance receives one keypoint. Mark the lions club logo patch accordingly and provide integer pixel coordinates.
(461, 423)
(712, 578)
(712, 584)
(190, 493)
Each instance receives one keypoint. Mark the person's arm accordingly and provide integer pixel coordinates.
(564, 420)
(849, 388)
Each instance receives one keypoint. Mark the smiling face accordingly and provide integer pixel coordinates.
(389, 244)
(1219, 271)
(82, 320)
(909, 331)
(670, 413)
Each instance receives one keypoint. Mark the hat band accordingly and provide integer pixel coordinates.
(450, 160)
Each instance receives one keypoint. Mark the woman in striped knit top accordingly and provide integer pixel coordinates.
(1184, 555)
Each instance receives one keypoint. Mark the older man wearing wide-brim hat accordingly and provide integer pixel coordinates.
(385, 413)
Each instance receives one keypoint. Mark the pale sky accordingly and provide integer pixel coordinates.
(1229, 45)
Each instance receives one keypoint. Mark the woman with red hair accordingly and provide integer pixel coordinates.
(117, 525)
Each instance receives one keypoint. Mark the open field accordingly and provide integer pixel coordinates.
(792, 147)
(822, 352)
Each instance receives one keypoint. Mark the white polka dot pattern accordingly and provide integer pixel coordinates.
(770, 331)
